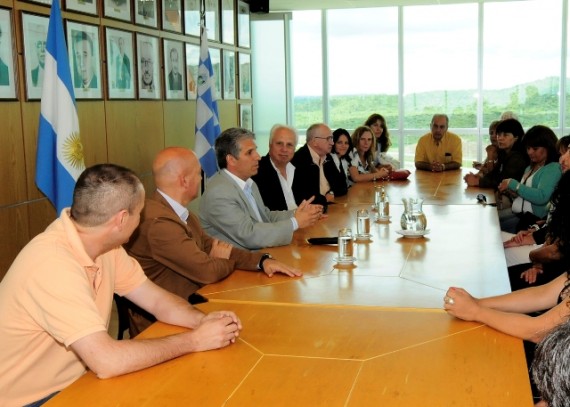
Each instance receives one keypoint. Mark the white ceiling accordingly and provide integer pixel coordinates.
(291, 5)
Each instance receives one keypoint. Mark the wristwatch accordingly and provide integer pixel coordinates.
(264, 257)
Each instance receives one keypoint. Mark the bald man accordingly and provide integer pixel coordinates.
(170, 244)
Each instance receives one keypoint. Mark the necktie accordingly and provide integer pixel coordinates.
(251, 200)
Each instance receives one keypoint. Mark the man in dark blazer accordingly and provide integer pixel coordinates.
(170, 244)
(275, 175)
(315, 171)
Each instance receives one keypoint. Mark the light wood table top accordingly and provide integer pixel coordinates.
(328, 356)
(370, 335)
(436, 188)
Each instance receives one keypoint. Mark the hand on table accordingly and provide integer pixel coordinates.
(307, 214)
(460, 304)
(523, 238)
(530, 275)
(436, 166)
(272, 266)
(217, 330)
(472, 180)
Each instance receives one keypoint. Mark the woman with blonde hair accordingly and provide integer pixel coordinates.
(362, 157)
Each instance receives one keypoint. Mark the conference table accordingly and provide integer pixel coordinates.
(370, 334)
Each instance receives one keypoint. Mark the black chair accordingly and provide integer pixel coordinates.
(123, 312)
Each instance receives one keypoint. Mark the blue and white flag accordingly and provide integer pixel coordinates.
(59, 158)
(207, 124)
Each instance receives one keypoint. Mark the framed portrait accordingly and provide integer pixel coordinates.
(228, 17)
(192, 61)
(243, 24)
(120, 68)
(148, 67)
(145, 13)
(174, 72)
(229, 66)
(192, 17)
(244, 76)
(246, 116)
(44, 2)
(34, 30)
(84, 59)
(118, 9)
(172, 15)
(216, 66)
(213, 20)
(7, 78)
(83, 6)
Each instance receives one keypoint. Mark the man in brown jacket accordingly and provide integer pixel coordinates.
(170, 244)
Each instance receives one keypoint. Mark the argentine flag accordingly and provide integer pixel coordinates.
(59, 158)
(207, 124)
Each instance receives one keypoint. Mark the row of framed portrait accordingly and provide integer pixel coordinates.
(180, 16)
(125, 79)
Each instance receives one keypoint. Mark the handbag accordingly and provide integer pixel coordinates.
(399, 175)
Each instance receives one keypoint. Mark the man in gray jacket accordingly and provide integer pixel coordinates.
(231, 208)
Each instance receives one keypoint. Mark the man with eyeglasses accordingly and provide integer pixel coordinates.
(147, 67)
(439, 150)
(316, 171)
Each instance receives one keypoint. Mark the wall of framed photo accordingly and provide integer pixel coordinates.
(134, 69)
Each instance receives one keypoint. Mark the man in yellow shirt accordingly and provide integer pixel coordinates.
(439, 150)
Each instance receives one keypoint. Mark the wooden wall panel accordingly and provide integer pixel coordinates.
(179, 123)
(30, 121)
(93, 131)
(135, 133)
(13, 234)
(12, 159)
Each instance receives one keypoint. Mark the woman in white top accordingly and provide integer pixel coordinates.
(377, 124)
(341, 152)
(362, 157)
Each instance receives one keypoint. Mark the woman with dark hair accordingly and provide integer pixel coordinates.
(377, 124)
(340, 153)
(512, 159)
(532, 193)
(362, 157)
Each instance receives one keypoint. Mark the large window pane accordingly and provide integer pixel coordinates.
(440, 71)
(268, 60)
(522, 42)
(363, 66)
(307, 67)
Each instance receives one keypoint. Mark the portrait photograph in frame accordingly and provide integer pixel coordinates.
(84, 59)
(213, 20)
(228, 25)
(7, 78)
(120, 68)
(146, 12)
(244, 76)
(246, 116)
(192, 61)
(82, 6)
(34, 28)
(174, 70)
(172, 15)
(215, 58)
(243, 24)
(229, 66)
(118, 9)
(192, 17)
(148, 67)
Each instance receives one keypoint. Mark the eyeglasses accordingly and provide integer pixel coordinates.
(329, 138)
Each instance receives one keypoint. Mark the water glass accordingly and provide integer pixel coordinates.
(362, 223)
(345, 245)
(377, 195)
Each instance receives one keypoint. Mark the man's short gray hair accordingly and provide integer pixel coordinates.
(278, 127)
(228, 143)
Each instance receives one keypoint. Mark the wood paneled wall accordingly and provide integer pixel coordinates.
(128, 133)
